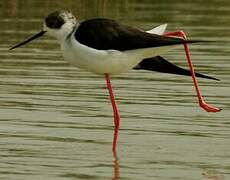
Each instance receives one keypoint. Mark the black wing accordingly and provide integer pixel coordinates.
(160, 64)
(104, 34)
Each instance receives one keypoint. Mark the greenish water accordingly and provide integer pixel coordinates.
(56, 120)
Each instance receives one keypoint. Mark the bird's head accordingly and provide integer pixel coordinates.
(57, 24)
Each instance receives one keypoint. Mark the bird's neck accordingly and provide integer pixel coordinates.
(65, 32)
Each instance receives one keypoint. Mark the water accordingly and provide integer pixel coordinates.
(56, 121)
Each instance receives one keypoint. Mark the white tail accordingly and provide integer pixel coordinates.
(159, 30)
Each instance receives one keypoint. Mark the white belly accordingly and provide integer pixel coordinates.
(106, 61)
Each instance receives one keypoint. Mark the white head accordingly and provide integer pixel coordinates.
(58, 24)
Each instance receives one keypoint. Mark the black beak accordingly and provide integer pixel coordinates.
(30, 39)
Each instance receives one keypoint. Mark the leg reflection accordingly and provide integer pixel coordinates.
(116, 168)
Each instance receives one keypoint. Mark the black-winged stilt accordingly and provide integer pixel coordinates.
(105, 47)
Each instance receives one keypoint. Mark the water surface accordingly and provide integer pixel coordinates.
(56, 121)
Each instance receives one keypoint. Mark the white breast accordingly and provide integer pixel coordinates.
(97, 61)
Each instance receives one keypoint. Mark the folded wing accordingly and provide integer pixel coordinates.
(105, 34)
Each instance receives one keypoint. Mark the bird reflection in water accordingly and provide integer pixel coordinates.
(209, 174)
(116, 167)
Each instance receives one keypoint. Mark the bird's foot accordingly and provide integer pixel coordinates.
(208, 107)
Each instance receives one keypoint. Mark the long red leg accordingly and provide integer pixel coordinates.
(115, 113)
(203, 104)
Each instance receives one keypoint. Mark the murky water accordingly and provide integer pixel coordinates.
(56, 121)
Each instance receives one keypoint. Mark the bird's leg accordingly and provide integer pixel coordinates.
(202, 103)
(115, 113)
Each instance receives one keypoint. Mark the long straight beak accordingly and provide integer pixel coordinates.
(30, 39)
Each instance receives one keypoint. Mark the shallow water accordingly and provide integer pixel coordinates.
(56, 120)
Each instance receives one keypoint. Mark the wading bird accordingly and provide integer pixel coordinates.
(105, 47)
